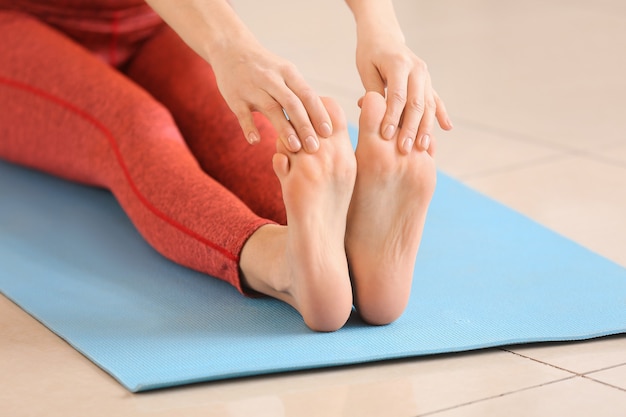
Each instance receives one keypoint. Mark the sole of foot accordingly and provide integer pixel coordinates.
(304, 263)
(386, 217)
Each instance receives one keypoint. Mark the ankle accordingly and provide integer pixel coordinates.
(257, 262)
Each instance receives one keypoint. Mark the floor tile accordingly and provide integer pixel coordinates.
(576, 397)
(467, 151)
(579, 357)
(578, 197)
(615, 154)
(534, 68)
(597, 6)
(40, 374)
(614, 376)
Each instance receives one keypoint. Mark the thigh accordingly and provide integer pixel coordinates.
(65, 111)
(44, 113)
(185, 84)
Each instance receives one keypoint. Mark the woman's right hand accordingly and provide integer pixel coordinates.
(251, 79)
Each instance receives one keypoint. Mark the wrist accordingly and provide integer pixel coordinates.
(376, 32)
(376, 19)
(219, 45)
(210, 28)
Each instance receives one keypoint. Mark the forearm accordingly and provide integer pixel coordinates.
(209, 27)
(375, 16)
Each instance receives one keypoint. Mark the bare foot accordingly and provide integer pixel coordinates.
(304, 263)
(386, 217)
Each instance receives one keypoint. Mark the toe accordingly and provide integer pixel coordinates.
(372, 113)
(280, 162)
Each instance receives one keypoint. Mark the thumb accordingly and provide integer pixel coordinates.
(372, 80)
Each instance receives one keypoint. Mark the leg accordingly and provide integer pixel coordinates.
(306, 260)
(67, 113)
(303, 264)
(184, 82)
(386, 217)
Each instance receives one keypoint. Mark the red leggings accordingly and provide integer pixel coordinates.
(157, 134)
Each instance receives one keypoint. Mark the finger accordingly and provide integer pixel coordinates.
(432, 149)
(425, 139)
(442, 114)
(413, 112)
(275, 114)
(246, 121)
(299, 121)
(317, 115)
(372, 80)
(397, 91)
(293, 112)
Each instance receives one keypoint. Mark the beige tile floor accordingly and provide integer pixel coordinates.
(537, 92)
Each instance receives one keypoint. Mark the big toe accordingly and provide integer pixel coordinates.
(373, 109)
(280, 160)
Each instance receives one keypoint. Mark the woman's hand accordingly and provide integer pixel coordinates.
(251, 78)
(388, 66)
(412, 103)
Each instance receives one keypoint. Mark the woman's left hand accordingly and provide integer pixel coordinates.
(387, 65)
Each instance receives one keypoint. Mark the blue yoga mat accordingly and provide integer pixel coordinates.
(485, 276)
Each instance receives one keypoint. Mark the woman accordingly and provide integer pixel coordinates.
(105, 93)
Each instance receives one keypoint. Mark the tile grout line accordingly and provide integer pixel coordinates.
(573, 375)
(588, 376)
(504, 394)
(576, 374)
(581, 374)
(605, 160)
(541, 362)
(563, 150)
(604, 369)
(603, 383)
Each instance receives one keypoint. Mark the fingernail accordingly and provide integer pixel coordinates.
(311, 144)
(425, 142)
(388, 132)
(408, 145)
(294, 143)
(325, 130)
(450, 123)
(252, 138)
